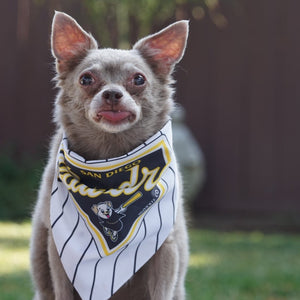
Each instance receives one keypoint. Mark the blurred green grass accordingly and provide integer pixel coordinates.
(223, 265)
(242, 266)
(14, 261)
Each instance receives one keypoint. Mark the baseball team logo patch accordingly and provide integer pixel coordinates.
(114, 198)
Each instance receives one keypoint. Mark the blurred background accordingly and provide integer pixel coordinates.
(238, 85)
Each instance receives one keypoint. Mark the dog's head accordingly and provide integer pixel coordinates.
(103, 210)
(110, 92)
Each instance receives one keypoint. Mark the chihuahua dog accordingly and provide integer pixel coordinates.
(110, 102)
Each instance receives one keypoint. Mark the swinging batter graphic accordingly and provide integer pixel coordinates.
(110, 218)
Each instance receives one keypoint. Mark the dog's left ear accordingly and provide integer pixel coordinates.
(109, 204)
(165, 48)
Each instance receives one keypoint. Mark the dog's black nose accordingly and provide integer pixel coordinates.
(112, 96)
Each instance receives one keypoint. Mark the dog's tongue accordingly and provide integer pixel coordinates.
(114, 116)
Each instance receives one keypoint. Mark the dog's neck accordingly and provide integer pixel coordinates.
(95, 144)
(100, 145)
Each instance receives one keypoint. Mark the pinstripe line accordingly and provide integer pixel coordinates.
(94, 279)
(63, 248)
(54, 192)
(83, 254)
(97, 248)
(87, 227)
(137, 249)
(63, 206)
(173, 194)
(163, 134)
(166, 183)
(114, 271)
(160, 226)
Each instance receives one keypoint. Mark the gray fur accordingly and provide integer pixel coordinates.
(76, 108)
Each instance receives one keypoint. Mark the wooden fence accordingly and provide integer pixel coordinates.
(241, 88)
(239, 85)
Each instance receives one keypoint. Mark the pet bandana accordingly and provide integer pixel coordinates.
(109, 217)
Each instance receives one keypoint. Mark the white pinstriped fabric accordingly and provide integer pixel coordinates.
(98, 256)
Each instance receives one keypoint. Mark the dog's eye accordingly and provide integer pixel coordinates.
(86, 79)
(139, 79)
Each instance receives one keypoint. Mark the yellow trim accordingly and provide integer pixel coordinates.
(113, 166)
(90, 224)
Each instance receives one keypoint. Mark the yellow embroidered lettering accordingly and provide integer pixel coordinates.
(75, 186)
(150, 183)
(133, 178)
(130, 187)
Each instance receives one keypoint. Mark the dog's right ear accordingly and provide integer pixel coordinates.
(69, 42)
(109, 204)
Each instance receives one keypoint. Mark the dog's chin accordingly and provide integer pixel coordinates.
(115, 122)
